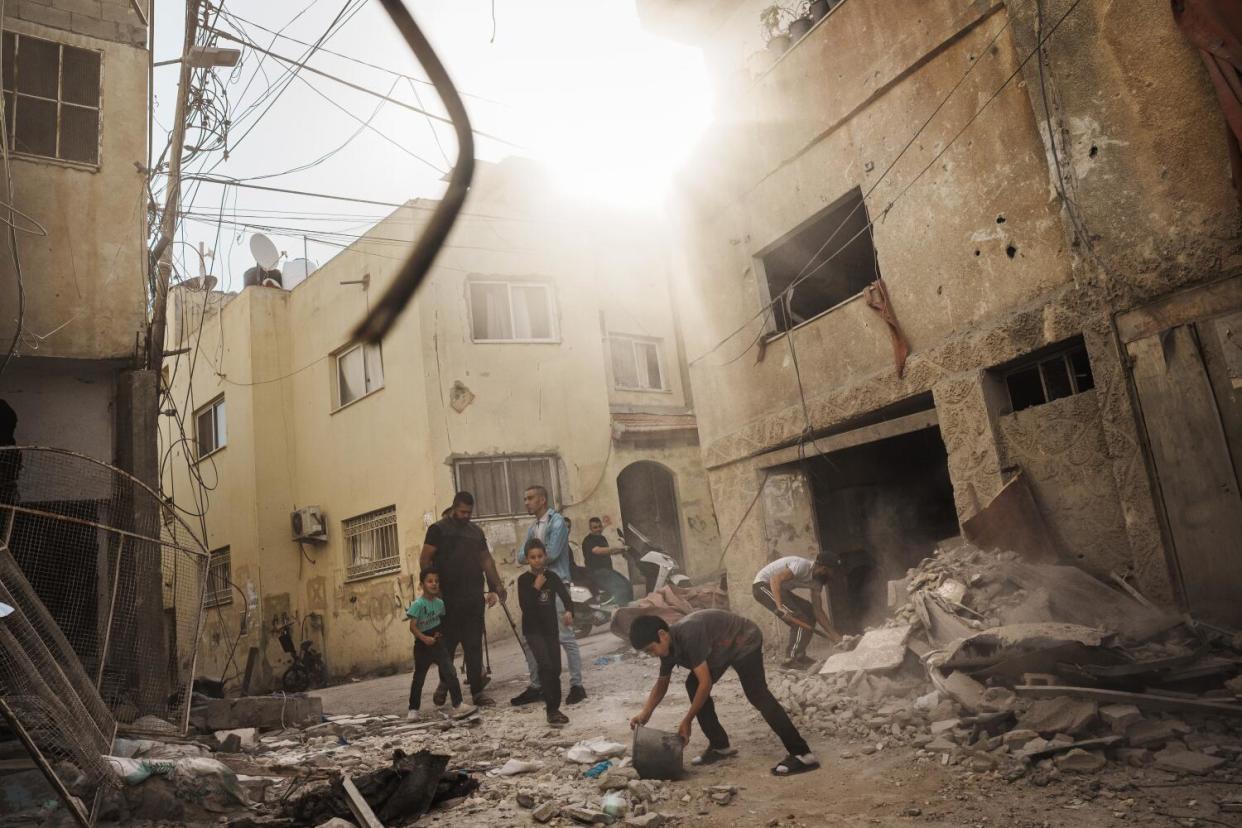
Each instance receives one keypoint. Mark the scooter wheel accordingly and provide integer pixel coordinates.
(296, 679)
(583, 628)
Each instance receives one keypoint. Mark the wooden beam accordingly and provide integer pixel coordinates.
(358, 805)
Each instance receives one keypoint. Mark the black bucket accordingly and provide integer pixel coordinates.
(657, 754)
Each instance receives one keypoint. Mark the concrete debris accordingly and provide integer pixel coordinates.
(879, 651)
(545, 812)
(651, 820)
(336, 822)
(1119, 717)
(1187, 761)
(1060, 715)
(263, 712)
(1147, 733)
(1080, 761)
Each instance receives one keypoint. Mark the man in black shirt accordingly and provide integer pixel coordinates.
(707, 643)
(538, 590)
(597, 555)
(458, 550)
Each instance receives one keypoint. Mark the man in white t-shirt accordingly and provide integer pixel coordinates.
(774, 588)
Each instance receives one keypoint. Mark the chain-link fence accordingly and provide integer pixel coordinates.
(101, 566)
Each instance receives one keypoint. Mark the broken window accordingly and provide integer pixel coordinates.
(511, 312)
(359, 371)
(372, 543)
(499, 484)
(636, 363)
(219, 578)
(51, 98)
(1051, 376)
(821, 264)
(211, 426)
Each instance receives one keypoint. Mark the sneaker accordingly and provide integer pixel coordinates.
(713, 755)
(461, 711)
(528, 696)
(440, 696)
(558, 718)
(413, 716)
(577, 693)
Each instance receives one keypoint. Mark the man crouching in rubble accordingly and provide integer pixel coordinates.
(774, 588)
(707, 643)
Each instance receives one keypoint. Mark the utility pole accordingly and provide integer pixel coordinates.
(160, 258)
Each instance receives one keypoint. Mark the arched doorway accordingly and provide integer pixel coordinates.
(649, 504)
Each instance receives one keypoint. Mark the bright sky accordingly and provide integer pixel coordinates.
(577, 84)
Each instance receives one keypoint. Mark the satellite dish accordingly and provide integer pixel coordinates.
(203, 283)
(295, 271)
(265, 253)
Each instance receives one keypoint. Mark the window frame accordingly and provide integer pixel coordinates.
(640, 365)
(355, 527)
(221, 558)
(378, 349)
(554, 467)
(1063, 351)
(59, 101)
(211, 408)
(549, 294)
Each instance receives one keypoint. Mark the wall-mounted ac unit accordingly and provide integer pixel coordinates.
(308, 524)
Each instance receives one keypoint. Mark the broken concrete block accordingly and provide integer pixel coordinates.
(264, 712)
(1187, 761)
(1135, 757)
(1119, 717)
(927, 702)
(1060, 715)
(1150, 733)
(1040, 679)
(945, 726)
(998, 699)
(879, 650)
(336, 822)
(1017, 739)
(587, 816)
(941, 745)
(952, 591)
(651, 820)
(1080, 761)
(897, 592)
(545, 812)
(525, 800)
(965, 690)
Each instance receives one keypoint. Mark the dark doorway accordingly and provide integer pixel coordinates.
(881, 507)
(649, 504)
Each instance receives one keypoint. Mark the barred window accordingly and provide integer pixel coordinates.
(371, 541)
(219, 578)
(51, 98)
(499, 483)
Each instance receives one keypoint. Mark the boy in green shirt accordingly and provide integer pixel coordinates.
(426, 615)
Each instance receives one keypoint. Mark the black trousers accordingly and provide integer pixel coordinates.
(755, 686)
(547, 652)
(425, 657)
(463, 625)
(799, 639)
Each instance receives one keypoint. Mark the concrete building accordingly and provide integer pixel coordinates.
(75, 90)
(1058, 243)
(544, 348)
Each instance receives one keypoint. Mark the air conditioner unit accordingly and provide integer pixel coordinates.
(308, 524)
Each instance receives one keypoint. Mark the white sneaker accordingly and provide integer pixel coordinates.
(461, 711)
(413, 716)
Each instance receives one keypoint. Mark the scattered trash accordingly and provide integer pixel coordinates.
(596, 771)
(590, 751)
(513, 767)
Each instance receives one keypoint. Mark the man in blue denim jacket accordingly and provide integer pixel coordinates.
(551, 528)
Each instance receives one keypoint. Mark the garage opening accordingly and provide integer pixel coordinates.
(881, 507)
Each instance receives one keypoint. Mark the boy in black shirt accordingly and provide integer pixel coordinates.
(538, 590)
(707, 643)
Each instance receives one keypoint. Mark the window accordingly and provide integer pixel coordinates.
(831, 258)
(499, 483)
(1060, 373)
(219, 579)
(371, 541)
(51, 99)
(636, 363)
(211, 427)
(359, 371)
(511, 312)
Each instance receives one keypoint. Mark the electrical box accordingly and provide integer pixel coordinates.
(308, 524)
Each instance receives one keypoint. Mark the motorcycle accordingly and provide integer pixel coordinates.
(589, 611)
(657, 568)
(308, 668)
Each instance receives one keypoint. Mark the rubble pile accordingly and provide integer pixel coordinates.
(995, 665)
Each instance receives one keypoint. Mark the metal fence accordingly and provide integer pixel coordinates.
(112, 574)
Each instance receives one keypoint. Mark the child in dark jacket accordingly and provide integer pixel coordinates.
(538, 590)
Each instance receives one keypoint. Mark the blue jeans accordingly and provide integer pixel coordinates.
(572, 653)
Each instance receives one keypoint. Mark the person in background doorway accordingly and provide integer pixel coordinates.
(707, 643)
(458, 551)
(426, 615)
(541, 593)
(598, 555)
(774, 588)
(550, 528)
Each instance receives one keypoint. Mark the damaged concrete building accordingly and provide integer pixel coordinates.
(931, 249)
(543, 349)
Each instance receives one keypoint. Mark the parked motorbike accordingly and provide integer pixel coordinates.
(657, 568)
(589, 610)
(308, 668)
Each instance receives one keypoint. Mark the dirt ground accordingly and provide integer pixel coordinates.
(857, 785)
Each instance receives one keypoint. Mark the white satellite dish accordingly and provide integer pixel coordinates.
(295, 271)
(265, 253)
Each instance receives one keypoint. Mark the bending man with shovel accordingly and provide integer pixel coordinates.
(774, 588)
